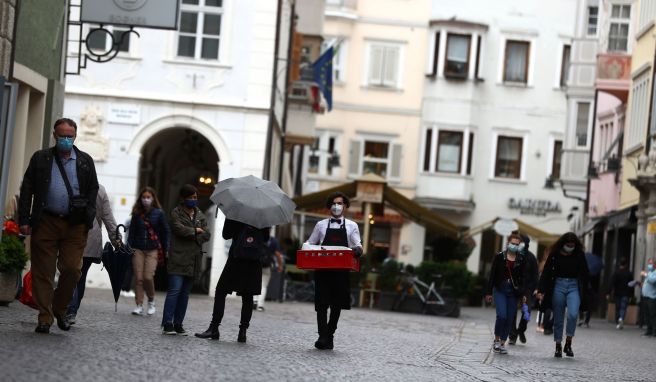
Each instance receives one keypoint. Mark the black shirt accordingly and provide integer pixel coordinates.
(566, 267)
(620, 283)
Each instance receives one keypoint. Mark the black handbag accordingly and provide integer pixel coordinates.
(77, 204)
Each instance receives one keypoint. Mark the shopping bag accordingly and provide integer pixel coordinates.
(26, 296)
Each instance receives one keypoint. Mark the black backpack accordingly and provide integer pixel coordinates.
(250, 244)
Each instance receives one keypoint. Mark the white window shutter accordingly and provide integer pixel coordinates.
(355, 156)
(430, 57)
(391, 67)
(376, 65)
(395, 163)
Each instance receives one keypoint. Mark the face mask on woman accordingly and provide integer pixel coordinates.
(337, 209)
(650, 267)
(568, 248)
(190, 203)
(147, 202)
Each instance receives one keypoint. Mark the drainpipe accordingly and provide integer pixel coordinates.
(592, 137)
(266, 171)
(285, 111)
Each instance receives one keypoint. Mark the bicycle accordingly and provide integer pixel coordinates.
(431, 300)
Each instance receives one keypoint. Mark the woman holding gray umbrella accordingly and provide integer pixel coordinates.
(251, 206)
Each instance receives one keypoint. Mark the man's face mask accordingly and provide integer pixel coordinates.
(337, 209)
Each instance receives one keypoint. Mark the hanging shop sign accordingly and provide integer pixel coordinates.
(536, 207)
(160, 14)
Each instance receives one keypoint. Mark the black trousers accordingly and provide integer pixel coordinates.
(325, 326)
(650, 305)
(515, 329)
(219, 308)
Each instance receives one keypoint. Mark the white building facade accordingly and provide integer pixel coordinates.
(176, 107)
(494, 118)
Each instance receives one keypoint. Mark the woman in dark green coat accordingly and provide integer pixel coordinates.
(188, 233)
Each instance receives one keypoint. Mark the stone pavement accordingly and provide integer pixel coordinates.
(370, 346)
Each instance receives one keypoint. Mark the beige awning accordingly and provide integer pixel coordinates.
(525, 228)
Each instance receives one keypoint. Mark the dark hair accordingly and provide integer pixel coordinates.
(187, 190)
(139, 208)
(67, 121)
(569, 237)
(514, 235)
(623, 261)
(334, 195)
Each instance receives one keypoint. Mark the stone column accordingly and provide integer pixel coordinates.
(7, 15)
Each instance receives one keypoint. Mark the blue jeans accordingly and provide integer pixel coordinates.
(622, 302)
(177, 298)
(78, 292)
(506, 305)
(565, 294)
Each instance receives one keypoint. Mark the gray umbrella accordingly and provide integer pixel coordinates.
(251, 200)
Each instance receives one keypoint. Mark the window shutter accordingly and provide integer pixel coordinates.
(376, 65)
(430, 71)
(355, 155)
(395, 162)
(391, 67)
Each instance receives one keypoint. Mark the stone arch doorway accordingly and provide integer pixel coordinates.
(169, 159)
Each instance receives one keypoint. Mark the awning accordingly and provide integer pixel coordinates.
(591, 224)
(535, 233)
(621, 218)
(431, 220)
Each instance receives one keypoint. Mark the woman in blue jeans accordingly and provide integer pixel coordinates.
(188, 233)
(562, 283)
(507, 284)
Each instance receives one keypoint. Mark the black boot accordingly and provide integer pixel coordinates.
(568, 349)
(559, 351)
(322, 326)
(211, 332)
(241, 337)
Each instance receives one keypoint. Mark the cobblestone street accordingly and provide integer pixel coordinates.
(369, 345)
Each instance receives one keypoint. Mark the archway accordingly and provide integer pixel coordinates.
(169, 159)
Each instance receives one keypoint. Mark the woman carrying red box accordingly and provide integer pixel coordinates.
(332, 288)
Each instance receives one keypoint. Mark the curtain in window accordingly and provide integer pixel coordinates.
(516, 61)
(458, 48)
(449, 148)
(582, 114)
(509, 157)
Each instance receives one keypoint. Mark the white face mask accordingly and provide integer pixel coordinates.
(147, 202)
(337, 209)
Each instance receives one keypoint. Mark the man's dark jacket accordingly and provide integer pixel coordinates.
(36, 182)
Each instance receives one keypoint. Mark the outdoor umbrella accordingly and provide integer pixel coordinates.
(117, 261)
(253, 201)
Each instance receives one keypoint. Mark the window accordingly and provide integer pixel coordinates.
(340, 48)
(375, 158)
(470, 153)
(582, 118)
(555, 163)
(99, 42)
(324, 156)
(618, 34)
(457, 56)
(639, 99)
(593, 18)
(384, 65)
(200, 29)
(516, 61)
(449, 151)
(564, 65)
(509, 157)
(647, 13)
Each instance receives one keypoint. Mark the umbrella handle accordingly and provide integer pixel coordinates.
(118, 227)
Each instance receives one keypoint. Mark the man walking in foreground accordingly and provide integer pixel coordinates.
(57, 207)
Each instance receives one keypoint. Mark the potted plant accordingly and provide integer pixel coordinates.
(12, 261)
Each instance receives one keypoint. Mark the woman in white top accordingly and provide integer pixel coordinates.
(332, 288)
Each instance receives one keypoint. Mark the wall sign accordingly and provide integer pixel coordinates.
(124, 114)
(536, 207)
(162, 14)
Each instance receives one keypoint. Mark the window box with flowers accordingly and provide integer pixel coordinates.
(12, 261)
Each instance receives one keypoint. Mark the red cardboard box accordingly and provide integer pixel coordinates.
(327, 259)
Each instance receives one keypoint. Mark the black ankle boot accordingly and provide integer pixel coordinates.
(559, 351)
(241, 337)
(568, 349)
(323, 342)
(211, 332)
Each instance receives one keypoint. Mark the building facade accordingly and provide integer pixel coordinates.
(184, 106)
(494, 120)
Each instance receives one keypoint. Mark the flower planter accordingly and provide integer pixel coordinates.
(630, 318)
(7, 287)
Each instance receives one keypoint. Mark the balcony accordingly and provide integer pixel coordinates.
(445, 192)
(614, 74)
(301, 118)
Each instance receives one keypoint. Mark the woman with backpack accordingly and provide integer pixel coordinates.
(562, 283)
(189, 232)
(242, 274)
(149, 237)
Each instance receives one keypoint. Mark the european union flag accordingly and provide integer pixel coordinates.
(323, 75)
